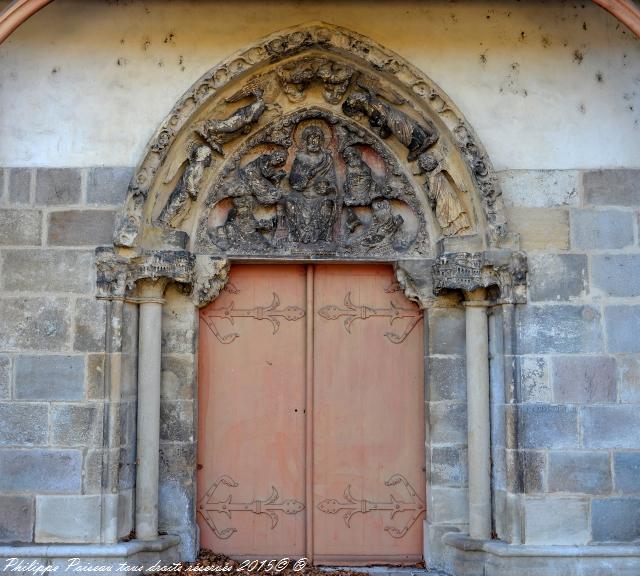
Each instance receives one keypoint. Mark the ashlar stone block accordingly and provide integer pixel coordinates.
(548, 426)
(19, 185)
(610, 426)
(20, 227)
(580, 472)
(81, 227)
(76, 425)
(540, 228)
(34, 324)
(70, 519)
(108, 185)
(619, 187)
(626, 471)
(5, 377)
(584, 379)
(49, 378)
(557, 277)
(23, 423)
(55, 186)
(616, 275)
(40, 470)
(89, 323)
(621, 325)
(557, 521)
(16, 519)
(629, 379)
(615, 519)
(540, 188)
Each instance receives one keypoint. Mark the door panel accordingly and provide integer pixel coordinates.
(251, 425)
(357, 452)
(368, 418)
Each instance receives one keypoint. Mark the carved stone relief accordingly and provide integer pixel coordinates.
(314, 143)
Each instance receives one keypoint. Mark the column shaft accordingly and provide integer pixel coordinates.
(148, 440)
(477, 338)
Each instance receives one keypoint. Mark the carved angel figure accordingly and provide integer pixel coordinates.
(262, 176)
(219, 131)
(385, 120)
(187, 188)
(296, 77)
(450, 214)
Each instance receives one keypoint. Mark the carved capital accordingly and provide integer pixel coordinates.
(209, 277)
(472, 271)
(118, 275)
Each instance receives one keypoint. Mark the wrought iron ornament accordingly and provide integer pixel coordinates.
(209, 504)
(271, 313)
(351, 313)
(351, 506)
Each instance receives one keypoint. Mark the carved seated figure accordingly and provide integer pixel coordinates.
(359, 187)
(261, 177)
(385, 225)
(241, 226)
(310, 209)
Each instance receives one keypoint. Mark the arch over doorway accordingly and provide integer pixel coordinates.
(314, 144)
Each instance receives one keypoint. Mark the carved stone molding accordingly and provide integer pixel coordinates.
(397, 168)
(470, 271)
(117, 274)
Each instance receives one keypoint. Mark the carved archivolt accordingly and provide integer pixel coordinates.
(313, 143)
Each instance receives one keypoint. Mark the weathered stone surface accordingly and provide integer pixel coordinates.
(610, 426)
(447, 378)
(601, 229)
(447, 331)
(34, 324)
(448, 505)
(20, 227)
(626, 471)
(557, 277)
(526, 471)
(580, 472)
(534, 379)
(629, 380)
(448, 466)
(89, 322)
(584, 379)
(558, 521)
(73, 425)
(615, 519)
(81, 227)
(562, 329)
(177, 462)
(540, 228)
(48, 270)
(621, 325)
(540, 188)
(548, 426)
(178, 376)
(616, 275)
(179, 323)
(23, 424)
(125, 512)
(95, 376)
(49, 378)
(68, 519)
(19, 185)
(176, 421)
(40, 470)
(5, 377)
(127, 465)
(16, 519)
(614, 187)
(108, 185)
(447, 423)
(56, 186)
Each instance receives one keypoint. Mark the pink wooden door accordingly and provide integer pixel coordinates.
(315, 389)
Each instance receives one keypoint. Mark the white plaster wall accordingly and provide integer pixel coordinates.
(545, 84)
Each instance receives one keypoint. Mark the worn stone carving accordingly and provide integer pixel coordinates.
(450, 215)
(354, 73)
(469, 271)
(386, 120)
(117, 275)
(219, 131)
(343, 193)
(187, 188)
(295, 77)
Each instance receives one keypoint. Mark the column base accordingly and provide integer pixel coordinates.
(465, 556)
(136, 553)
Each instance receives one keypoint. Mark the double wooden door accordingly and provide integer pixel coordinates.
(311, 418)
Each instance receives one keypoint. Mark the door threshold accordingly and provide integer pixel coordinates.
(382, 570)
